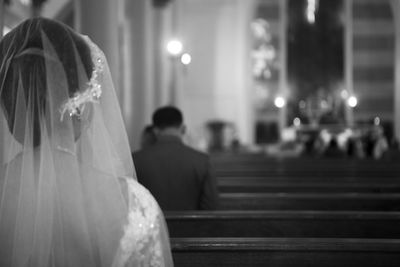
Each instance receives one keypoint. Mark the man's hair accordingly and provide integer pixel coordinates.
(168, 116)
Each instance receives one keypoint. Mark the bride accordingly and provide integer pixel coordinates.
(68, 191)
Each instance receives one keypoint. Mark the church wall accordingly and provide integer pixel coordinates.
(373, 70)
(216, 83)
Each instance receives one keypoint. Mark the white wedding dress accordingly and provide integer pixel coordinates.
(143, 243)
(68, 190)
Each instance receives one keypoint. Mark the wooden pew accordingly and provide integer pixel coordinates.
(308, 168)
(313, 175)
(308, 161)
(240, 159)
(284, 224)
(285, 252)
(310, 201)
(261, 185)
(386, 174)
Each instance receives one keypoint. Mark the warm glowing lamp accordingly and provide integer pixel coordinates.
(279, 102)
(352, 101)
(186, 59)
(174, 47)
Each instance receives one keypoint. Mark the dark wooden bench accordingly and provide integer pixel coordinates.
(260, 159)
(307, 168)
(261, 185)
(285, 252)
(310, 201)
(309, 173)
(284, 224)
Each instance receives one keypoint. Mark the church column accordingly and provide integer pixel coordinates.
(162, 33)
(99, 20)
(396, 117)
(138, 31)
(175, 79)
(283, 84)
(348, 56)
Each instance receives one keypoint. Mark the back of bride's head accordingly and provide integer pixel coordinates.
(56, 94)
(43, 63)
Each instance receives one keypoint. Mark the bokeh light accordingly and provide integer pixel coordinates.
(186, 59)
(352, 101)
(174, 47)
(279, 102)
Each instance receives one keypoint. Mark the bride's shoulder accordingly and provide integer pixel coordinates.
(144, 226)
(140, 201)
(136, 190)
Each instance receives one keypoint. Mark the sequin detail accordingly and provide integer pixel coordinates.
(76, 104)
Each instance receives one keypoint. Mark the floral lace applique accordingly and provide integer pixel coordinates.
(141, 243)
(76, 104)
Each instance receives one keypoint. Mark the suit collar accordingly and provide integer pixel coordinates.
(169, 139)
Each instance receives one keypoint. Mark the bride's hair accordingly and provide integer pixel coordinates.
(28, 67)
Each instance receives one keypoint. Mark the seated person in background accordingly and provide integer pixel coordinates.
(355, 148)
(381, 144)
(148, 137)
(333, 150)
(179, 177)
(376, 143)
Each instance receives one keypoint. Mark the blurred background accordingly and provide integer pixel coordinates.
(277, 76)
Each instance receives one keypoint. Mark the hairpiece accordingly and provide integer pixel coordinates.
(76, 104)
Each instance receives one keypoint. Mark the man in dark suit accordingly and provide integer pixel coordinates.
(179, 177)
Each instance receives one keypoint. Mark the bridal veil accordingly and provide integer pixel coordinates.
(66, 165)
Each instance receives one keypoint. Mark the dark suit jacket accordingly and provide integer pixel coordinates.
(179, 177)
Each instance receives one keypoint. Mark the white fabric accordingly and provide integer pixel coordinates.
(68, 194)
